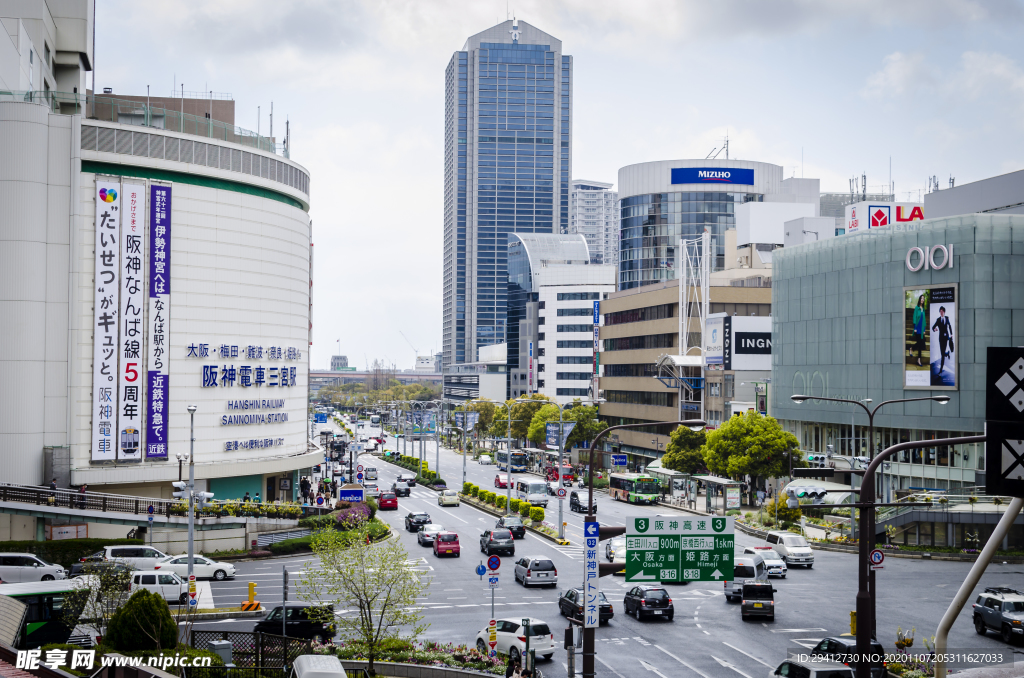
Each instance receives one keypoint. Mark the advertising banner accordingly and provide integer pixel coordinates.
(129, 412)
(157, 377)
(460, 420)
(713, 343)
(551, 432)
(472, 419)
(529, 387)
(105, 320)
(712, 175)
(732, 497)
(930, 330)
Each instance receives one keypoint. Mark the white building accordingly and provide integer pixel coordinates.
(146, 270)
(594, 212)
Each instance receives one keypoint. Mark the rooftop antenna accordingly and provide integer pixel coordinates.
(864, 185)
(712, 156)
(726, 144)
(952, 181)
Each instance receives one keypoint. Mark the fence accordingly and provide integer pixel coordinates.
(255, 650)
(267, 538)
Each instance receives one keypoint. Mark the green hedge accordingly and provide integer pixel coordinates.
(500, 501)
(377, 531)
(524, 509)
(466, 487)
(144, 623)
(65, 552)
(537, 514)
(514, 505)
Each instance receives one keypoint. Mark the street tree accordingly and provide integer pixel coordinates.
(103, 590)
(585, 416)
(373, 579)
(683, 453)
(751, 444)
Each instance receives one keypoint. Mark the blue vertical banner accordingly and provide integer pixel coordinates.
(472, 419)
(591, 577)
(460, 420)
(551, 432)
(157, 377)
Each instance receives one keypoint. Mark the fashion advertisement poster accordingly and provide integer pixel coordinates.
(930, 337)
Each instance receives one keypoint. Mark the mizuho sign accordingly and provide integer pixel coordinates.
(926, 258)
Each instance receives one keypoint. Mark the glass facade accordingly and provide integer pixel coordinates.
(650, 226)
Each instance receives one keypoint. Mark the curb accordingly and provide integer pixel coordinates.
(207, 616)
(486, 508)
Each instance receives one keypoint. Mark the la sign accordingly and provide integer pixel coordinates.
(926, 258)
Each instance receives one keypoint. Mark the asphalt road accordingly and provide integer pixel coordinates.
(706, 637)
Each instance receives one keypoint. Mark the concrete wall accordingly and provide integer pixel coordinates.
(1004, 194)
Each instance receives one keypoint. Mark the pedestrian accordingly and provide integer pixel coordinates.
(257, 499)
(246, 498)
(81, 496)
(53, 492)
(512, 668)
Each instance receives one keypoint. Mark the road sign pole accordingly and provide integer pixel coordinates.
(284, 603)
(492, 603)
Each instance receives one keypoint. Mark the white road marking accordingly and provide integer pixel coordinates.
(651, 668)
(609, 667)
(699, 673)
(730, 666)
(798, 630)
(747, 653)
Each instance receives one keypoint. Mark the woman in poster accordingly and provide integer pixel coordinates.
(919, 324)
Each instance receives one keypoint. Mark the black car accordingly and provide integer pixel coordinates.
(413, 521)
(494, 541)
(648, 601)
(570, 604)
(298, 623)
(401, 489)
(578, 502)
(842, 650)
(513, 524)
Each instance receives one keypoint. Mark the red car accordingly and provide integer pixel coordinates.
(500, 480)
(387, 500)
(447, 543)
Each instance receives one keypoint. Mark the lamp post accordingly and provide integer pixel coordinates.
(181, 458)
(865, 575)
(191, 485)
(588, 632)
(508, 447)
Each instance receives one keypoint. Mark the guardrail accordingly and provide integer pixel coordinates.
(930, 501)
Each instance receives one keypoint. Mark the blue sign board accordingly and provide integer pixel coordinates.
(712, 175)
(691, 407)
(597, 312)
(480, 570)
(618, 460)
(321, 418)
(346, 494)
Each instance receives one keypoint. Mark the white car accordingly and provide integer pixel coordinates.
(202, 568)
(773, 562)
(793, 548)
(136, 557)
(509, 632)
(371, 490)
(484, 460)
(167, 585)
(26, 567)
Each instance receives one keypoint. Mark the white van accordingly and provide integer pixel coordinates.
(28, 567)
(136, 557)
(533, 491)
(793, 548)
(167, 585)
(370, 473)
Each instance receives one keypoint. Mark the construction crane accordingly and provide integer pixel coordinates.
(416, 351)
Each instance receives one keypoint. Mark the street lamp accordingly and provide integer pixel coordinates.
(508, 450)
(191, 486)
(865, 575)
(181, 457)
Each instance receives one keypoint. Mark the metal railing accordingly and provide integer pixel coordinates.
(255, 650)
(129, 112)
(938, 502)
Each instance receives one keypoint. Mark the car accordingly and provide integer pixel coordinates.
(743, 567)
(648, 601)
(400, 435)
(87, 565)
(167, 585)
(535, 571)
(298, 623)
(1001, 609)
(370, 473)
(447, 543)
(578, 502)
(499, 540)
(615, 552)
(137, 557)
(501, 480)
(414, 520)
(800, 669)
(512, 638)
(792, 547)
(26, 567)
(202, 568)
(425, 535)
(553, 486)
(570, 604)
(773, 562)
(371, 490)
(757, 599)
(401, 489)
(842, 649)
(448, 498)
(513, 524)
(485, 460)
(408, 478)
(387, 500)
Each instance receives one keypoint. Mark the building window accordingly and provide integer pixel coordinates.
(573, 343)
(634, 370)
(715, 389)
(579, 296)
(540, 305)
(635, 315)
(540, 351)
(576, 328)
(578, 312)
(641, 398)
(574, 376)
(634, 343)
(540, 383)
(730, 386)
(540, 367)
(582, 392)
(540, 320)
(762, 310)
(575, 360)
(540, 337)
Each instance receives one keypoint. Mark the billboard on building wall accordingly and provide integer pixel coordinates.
(130, 345)
(714, 342)
(157, 373)
(930, 337)
(863, 216)
(106, 285)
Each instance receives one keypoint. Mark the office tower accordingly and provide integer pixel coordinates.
(508, 117)
(594, 212)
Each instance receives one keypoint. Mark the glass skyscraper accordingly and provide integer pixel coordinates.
(508, 117)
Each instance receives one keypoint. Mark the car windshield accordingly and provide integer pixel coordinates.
(387, 495)
(448, 537)
(542, 566)
(421, 516)
(656, 594)
(451, 493)
(1013, 606)
(432, 527)
(646, 487)
(512, 522)
(537, 488)
(795, 540)
(501, 534)
(757, 592)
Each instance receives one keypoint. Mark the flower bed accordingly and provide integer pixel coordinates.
(425, 653)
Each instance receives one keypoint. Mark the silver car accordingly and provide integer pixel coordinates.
(615, 552)
(371, 490)
(427, 533)
(536, 571)
(774, 565)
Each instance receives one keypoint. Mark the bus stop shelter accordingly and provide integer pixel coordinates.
(676, 482)
(728, 489)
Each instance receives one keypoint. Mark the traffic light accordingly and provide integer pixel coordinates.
(182, 489)
(795, 494)
(203, 497)
(316, 469)
(793, 497)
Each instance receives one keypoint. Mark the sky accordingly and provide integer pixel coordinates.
(827, 90)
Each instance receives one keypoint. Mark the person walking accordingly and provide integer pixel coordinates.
(81, 496)
(512, 668)
(257, 499)
(53, 492)
(945, 330)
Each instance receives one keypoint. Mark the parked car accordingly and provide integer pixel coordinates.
(648, 601)
(512, 638)
(744, 567)
(513, 524)
(615, 552)
(535, 571)
(578, 502)
(499, 540)
(485, 459)
(448, 498)
(841, 649)
(792, 547)
(999, 608)
(758, 599)
(570, 604)
(202, 568)
(414, 520)
(26, 567)
(773, 562)
(501, 480)
(137, 557)
(387, 500)
(167, 585)
(297, 623)
(425, 535)
(794, 669)
(448, 544)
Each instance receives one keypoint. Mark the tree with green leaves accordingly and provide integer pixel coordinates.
(522, 416)
(683, 453)
(751, 444)
(375, 580)
(587, 424)
(103, 590)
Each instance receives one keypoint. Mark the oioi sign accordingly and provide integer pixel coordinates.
(678, 549)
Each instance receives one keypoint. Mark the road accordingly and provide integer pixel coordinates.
(706, 637)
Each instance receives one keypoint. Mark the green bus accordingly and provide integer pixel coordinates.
(633, 488)
(45, 620)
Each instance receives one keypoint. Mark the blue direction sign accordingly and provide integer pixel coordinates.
(591, 574)
(618, 460)
(493, 563)
(481, 570)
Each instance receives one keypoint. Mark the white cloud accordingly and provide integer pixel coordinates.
(900, 73)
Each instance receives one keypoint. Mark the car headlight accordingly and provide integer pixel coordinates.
(1016, 622)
